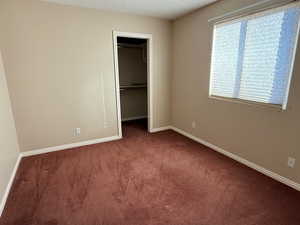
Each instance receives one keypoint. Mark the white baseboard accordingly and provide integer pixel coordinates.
(10, 182)
(134, 118)
(69, 146)
(252, 165)
(154, 130)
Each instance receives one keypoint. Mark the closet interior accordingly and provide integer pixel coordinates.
(132, 59)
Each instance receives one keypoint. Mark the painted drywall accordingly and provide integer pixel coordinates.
(9, 149)
(60, 70)
(133, 70)
(262, 135)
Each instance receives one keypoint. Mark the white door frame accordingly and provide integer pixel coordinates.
(148, 37)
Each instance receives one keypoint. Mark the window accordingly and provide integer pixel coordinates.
(252, 57)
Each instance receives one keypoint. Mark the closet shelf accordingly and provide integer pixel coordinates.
(132, 86)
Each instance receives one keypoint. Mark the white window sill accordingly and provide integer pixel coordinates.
(245, 102)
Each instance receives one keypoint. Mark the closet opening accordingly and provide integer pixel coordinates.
(132, 68)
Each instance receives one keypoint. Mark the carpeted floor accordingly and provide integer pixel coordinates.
(146, 179)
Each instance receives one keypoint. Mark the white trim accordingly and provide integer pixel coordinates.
(252, 165)
(148, 37)
(150, 82)
(154, 130)
(9, 185)
(69, 146)
(134, 118)
(117, 83)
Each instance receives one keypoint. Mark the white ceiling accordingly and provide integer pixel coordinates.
(168, 9)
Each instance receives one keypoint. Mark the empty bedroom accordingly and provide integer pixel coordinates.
(137, 112)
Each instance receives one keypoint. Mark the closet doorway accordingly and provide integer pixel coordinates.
(133, 73)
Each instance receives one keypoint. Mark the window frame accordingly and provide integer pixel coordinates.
(240, 18)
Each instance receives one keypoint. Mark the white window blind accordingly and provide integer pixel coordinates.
(252, 58)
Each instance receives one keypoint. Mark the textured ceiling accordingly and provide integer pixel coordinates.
(168, 9)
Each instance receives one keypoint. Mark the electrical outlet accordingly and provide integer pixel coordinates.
(77, 131)
(291, 162)
(194, 124)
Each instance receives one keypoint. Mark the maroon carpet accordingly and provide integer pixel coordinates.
(146, 179)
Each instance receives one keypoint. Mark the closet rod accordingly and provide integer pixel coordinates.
(250, 9)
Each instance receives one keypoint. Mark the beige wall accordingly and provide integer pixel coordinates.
(9, 148)
(55, 56)
(264, 136)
